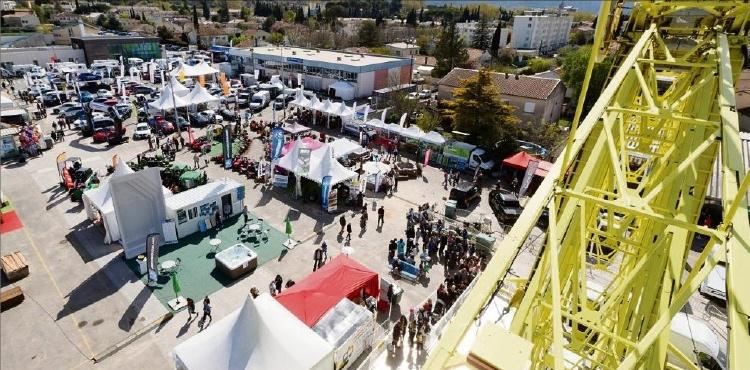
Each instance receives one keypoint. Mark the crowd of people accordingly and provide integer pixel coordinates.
(440, 243)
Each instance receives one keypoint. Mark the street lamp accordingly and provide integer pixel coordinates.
(174, 104)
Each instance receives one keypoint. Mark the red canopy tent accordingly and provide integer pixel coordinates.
(340, 278)
(521, 160)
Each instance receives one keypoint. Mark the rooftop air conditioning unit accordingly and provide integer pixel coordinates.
(294, 52)
(338, 59)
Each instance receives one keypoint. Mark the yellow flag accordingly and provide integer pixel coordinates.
(181, 75)
(202, 80)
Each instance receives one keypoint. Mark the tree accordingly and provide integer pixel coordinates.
(299, 16)
(411, 18)
(538, 65)
(480, 39)
(428, 121)
(450, 51)
(574, 71)
(268, 23)
(196, 24)
(164, 34)
(223, 11)
(476, 109)
(289, 16)
(113, 22)
(206, 10)
(577, 38)
(276, 38)
(495, 43)
(101, 21)
(368, 34)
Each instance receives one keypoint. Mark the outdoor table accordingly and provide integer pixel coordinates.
(168, 266)
(214, 243)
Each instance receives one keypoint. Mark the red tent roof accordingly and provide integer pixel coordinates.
(340, 278)
(521, 160)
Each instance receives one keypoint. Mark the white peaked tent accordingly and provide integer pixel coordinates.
(178, 88)
(392, 127)
(433, 137)
(262, 334)
(413, 132)
(100, 200)
(343, 90)
(376, 123)
(191, 71)
(300, 100)
(200, 95)
(167, 101)
(328, 166)
(344, 147)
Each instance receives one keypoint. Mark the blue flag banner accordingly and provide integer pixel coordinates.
(277, 142)
(325, 188)
(227, 147)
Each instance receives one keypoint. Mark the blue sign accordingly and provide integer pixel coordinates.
(226, 144)
(294, 60)
(325, 188)
(241, 193)
(277, 142)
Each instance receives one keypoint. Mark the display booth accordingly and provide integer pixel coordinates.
(342, 277)
(193, 210)
(260, 335)
(138, 202)
(99, 207)
(349, 328)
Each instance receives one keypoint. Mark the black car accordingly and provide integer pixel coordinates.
(505, 206)
(199, 120)
(465, 194)
(144, 90)
(227, 114)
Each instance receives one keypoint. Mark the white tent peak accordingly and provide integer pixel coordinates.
(200, 95)
(177, 87)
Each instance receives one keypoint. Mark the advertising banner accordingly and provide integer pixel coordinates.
(280, 181)
(304, 160)
(325, 188)
(333, 197)
(277, 142)
(226, 145)
(530, 170)
(152, 255)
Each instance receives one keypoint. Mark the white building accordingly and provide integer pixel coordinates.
(320, 69)
(402, 49)
(539, 31)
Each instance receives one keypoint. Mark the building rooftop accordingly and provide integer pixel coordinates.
(327, 56)
(111, 37)
(515, 85)
(403, 45)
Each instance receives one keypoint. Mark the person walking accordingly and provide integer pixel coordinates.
(245, 213)
(196, 158)
(395, 183)
(342, 222)
(363, 220)
(206, 311)
(317, 259)
(324, 249)
(191, 308)
(278, 281)
(381, 216)
(349, 231)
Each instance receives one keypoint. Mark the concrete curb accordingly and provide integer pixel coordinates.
(132, 338)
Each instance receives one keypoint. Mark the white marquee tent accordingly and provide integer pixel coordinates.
(321, 164)
(262, 334)
(178, 88)
(98, 202)
(343, 90)
(167, 101)
(343, 147)
(433, 137)
(200, 69)
(199, 95)
(350, 328)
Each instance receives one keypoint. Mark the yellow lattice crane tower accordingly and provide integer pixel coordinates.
(624, 200)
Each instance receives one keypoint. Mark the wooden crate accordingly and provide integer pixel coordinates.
(10, 298)
(14, 266)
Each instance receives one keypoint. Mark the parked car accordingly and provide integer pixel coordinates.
(465, 194)
(413, 96)
(231, 98)
(217, 117)
(505, 206)
(86, 97)
(105, 134)
(125, 110)
(142, 131)
(282, 100)
(65, 106)
(159, 124)
(425, 94)
(182, 123)
(52, 99)
(260, 100)
(73, 113)
(143, 89)
(227, 114)
(80, 122)
(102, 93)
(243, 98)
(199, 119)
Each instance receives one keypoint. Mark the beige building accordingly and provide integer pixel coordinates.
(402, 49)
(61, 35)
(536, 99)
(21, 20)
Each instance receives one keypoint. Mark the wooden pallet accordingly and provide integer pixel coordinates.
(14, 266)
(11, 298)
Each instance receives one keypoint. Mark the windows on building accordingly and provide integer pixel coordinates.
(528, 107)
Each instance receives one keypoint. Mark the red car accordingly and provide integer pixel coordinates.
(104, 134)
(160, 124)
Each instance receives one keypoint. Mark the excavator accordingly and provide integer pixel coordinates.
(624, 201)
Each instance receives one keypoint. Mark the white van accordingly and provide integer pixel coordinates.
(260, 100)
(697, 341)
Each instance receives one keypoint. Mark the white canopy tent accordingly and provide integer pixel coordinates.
(344, 147)
(200, 69)
(178, 88)
(412, 132)
(99, 201)
(300, 100)
(433, 137)
(322, 164)
(167, 101)
(343, 90)
(350, 328)
(199, 95)
(262, 334)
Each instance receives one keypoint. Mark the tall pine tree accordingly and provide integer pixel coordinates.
(450, 51)
(196, 25)
(206, 10)
(495, 44)
(480, 39)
